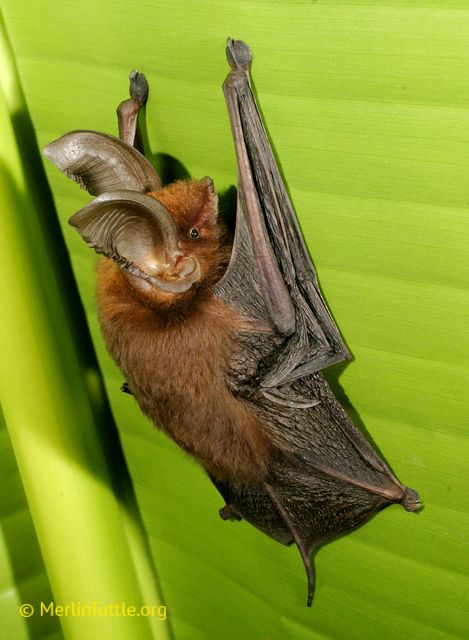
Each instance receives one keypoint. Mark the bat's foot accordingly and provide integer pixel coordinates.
(227, 513)
(126, 389)
(138, 87)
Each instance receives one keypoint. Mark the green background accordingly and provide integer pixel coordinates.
(367, 107)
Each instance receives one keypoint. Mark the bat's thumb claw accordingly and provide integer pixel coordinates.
(138, 86)
(238, 54)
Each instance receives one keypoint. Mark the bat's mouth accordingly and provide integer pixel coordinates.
(175, 278)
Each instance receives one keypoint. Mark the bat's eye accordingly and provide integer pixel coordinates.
(194, 233)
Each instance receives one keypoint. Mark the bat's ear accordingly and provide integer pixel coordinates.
(102, 163)
(138, 233)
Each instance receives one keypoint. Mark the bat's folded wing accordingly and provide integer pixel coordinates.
(270, 277)
(324, 478)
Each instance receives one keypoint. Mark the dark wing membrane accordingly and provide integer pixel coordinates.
(288, 290)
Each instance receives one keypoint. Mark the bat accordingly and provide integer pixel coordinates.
(222, 341)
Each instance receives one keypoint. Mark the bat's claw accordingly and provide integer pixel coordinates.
(126, 389)
(227, 513)
(239, 55)
(138, 87)
(411, 500)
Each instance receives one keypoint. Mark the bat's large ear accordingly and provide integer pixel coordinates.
(102, 163)
(138, 233)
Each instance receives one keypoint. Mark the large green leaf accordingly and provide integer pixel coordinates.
(22, 573)
(366, 103)
(72, 469)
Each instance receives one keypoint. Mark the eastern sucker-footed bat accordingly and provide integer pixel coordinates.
(222, 345)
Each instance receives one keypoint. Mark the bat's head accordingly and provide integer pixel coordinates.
(193, 205)
(166, 240)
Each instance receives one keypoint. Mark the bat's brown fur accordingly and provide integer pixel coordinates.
(175, 349)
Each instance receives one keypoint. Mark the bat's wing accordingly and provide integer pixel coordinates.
(324, 477)
(271, 277)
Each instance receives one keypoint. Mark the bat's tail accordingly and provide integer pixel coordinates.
(304, 551)
(310, 509)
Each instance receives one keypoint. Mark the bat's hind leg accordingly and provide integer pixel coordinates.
(304, 552)
(128, 111)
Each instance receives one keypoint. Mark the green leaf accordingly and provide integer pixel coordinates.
(366, 104)
(22, 571)
(80, 507)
